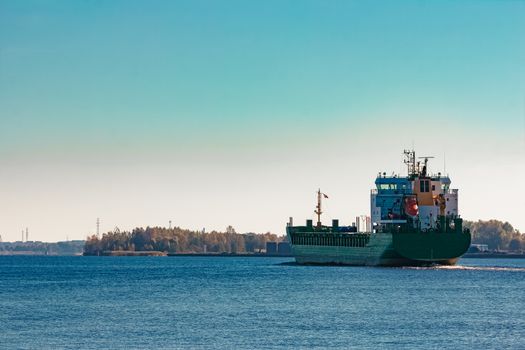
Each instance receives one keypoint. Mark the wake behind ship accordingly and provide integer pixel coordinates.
(414, 222)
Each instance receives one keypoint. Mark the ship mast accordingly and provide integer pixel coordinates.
(410, 161)
(318, 210)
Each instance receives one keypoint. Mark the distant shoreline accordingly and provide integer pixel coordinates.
(493, 256)
(235, 255)
(159, 253)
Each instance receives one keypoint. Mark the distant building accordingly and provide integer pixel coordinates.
(284, 248)
(363, 223)
(478, 248)
(271, 247)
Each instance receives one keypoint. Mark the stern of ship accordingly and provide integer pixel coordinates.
(444, 248)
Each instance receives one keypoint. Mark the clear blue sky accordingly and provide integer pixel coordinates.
(212, 113)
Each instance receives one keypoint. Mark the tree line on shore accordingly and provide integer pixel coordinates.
(177, 240)
(498, 235)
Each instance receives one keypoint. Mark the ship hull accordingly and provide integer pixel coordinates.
(389, 249)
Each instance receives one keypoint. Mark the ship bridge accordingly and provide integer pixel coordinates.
(419, 198)
(393, 185)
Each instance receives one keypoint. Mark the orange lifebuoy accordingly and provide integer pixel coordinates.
(411, 207)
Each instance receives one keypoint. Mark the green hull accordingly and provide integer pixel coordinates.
(377, 249)
(432, 247)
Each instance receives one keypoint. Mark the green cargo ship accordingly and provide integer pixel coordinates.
(414, 222)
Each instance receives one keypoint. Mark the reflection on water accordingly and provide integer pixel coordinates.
(512, 265)
(469, 268)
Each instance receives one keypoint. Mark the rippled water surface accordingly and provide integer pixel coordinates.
(245, 303)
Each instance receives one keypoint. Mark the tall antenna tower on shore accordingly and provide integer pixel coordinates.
(98, 227)
(170, 224)
(27, 234)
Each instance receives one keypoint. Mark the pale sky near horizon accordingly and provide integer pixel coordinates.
(216, 113)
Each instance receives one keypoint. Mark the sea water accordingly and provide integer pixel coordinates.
(266, 303)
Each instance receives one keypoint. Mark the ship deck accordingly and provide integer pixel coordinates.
(327, 236)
